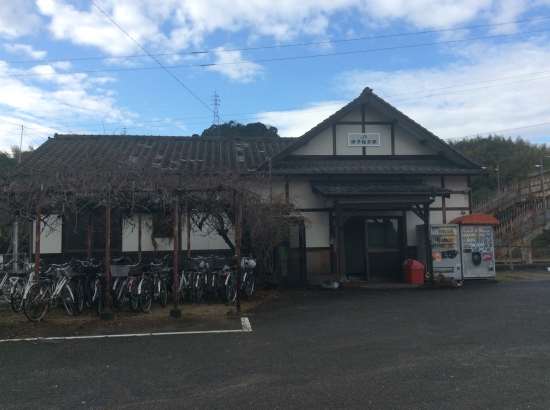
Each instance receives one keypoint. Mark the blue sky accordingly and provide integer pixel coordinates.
(289, 64)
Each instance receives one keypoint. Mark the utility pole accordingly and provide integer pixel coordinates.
(16, 222)
(216, 102)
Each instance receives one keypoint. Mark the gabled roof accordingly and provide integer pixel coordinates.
(369, 98)
(168, 153)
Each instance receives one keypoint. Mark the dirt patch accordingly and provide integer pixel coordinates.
(522, 276)
(204, 316)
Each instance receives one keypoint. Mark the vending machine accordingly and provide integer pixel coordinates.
(478, 249)
(445, 241)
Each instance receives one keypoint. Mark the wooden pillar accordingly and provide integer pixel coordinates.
(188, 222)
(303, 252)
(427, 234)
(139, 236)
(238, 244)
(89, 237)
(37, 238)
(107, 250)
(341, 242)
(175, 223)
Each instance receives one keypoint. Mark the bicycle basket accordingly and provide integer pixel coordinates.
(120, 270)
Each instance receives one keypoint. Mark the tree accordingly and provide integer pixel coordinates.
(234, 129)
(515, 159)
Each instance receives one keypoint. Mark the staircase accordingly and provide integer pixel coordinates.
(522, 213)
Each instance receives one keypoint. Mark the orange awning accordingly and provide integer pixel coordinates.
(476, 219)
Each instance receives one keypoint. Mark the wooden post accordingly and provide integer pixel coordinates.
(510, 258)
(429, 257)
(139, 237)
(238, 243)
(175, 223)
(90, 237)
(107, 250)
(341, 242)
(37, 238)
(188, 222)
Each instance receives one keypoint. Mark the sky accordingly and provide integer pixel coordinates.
(141, 67)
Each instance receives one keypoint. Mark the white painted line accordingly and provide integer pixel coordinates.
(246, 324)
(244, 321)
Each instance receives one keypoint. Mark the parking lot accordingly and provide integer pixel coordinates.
(484, 345)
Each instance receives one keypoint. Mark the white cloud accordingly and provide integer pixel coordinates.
(295, 123)
(45, 103)
(174, 25)
(240, 72)
(456, 114)
(25, 49)
(17, 19)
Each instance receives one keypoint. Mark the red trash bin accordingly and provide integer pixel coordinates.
(413, 271)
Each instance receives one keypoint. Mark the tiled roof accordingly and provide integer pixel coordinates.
(372, 166)
(332, 188)
(167, 153)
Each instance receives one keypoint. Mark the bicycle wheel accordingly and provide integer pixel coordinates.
(191, 286)
(36, 302)
(248, 284)
(145, 295)
(79, 295)
(198, 288)
(119, 294)
(231, 288)
(17, 296)
(163, 296)
(134, 296)
(98, 296)
(67, 296)
(215, 286)
(6, 291)
(88, 287)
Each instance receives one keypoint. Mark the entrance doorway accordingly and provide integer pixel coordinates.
(374, 248)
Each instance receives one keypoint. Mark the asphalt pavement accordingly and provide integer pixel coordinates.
(482, 346)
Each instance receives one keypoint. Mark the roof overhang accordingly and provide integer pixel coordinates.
(380, 192)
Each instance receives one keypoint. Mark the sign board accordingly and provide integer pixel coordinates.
(356, 139)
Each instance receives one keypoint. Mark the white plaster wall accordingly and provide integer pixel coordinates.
(199, 241)
(456, 183)
(301, 194)
(436, 217)
(437, 203)
(318, 233)
(453, 214)
(354, 115)
(319, 145)
(50, 235)
(457, 200)
(408, 144)
(130, 234)
(342, 132)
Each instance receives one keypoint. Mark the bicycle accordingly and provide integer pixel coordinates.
(19, 285)
(40, 298)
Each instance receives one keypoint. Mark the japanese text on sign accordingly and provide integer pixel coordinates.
(363, 140)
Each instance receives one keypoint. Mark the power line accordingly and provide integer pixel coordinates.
(158, 62)
(470, 89)
(494, 132)
(282, 46)
(312, 109)
(265, 60)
